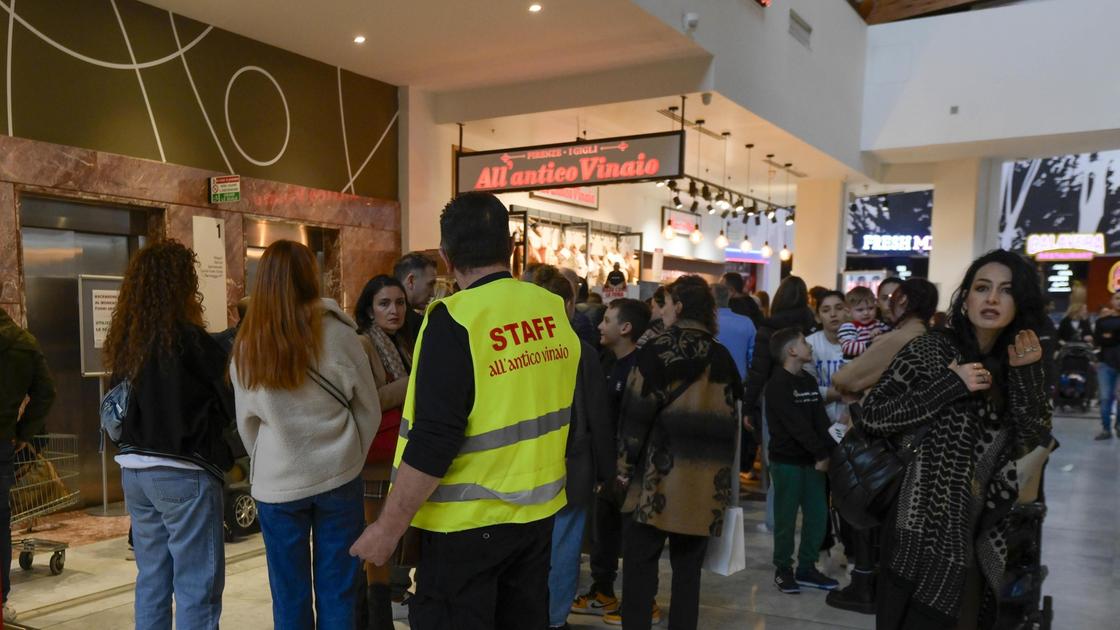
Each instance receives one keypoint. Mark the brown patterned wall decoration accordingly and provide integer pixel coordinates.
(128, 78)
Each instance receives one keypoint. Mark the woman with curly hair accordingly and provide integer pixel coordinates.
(678, 433)
(172, 451)
(978, 392)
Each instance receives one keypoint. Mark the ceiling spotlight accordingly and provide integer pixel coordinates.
(535, 7)
(692, 188)
(770, 214)
(696, 235)
(774, 218)
(661, 183)
(360, 39)
(757, 220)
(785, 254)
(745, 246)
(695, 207)
(789, 219)
(754, 207)
(672, 183)
(668, 233)
(706, 193)
(767, 251)
(721, 240)
(711, 209)
(723, 215)
(740, 205)
(677, 203)
(720, 200)
(746, 217)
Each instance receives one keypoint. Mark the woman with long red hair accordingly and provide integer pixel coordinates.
(307, 410)
(172, 451)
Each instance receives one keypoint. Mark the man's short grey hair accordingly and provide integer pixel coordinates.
(722, 294)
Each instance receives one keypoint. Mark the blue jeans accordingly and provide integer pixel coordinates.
(563, 576)
(336, 518)
(1106, 381)
(177, 537)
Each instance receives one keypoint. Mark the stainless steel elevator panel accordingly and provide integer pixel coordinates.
(53, 258)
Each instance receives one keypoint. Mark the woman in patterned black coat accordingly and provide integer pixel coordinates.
(979, 386)
(678, 427)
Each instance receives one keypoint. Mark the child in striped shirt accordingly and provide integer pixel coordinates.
(855, 336)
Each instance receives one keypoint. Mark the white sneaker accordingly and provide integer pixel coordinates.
(9, 613)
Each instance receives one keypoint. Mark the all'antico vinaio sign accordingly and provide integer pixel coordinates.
(587, 162)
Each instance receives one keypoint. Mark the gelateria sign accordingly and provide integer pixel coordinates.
(1066, 246)
(647, 157)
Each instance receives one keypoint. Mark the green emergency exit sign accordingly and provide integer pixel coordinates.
(225, 189)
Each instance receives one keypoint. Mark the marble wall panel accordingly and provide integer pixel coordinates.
(369, 241)
(15, 311)
(365, 253)
(10, 275)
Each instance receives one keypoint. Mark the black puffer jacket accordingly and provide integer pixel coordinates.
(762, 366)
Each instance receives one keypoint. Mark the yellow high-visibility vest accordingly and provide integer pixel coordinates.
(525, 356)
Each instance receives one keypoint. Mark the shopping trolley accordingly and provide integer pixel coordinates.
(46, 476)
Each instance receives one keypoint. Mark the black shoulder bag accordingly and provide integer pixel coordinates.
(865, 473)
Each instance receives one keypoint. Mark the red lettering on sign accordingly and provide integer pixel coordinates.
(531, 330)
(527, 332)
(512, 328)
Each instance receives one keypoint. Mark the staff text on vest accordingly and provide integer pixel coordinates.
(522, 332)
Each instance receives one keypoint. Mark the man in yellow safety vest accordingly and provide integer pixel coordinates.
(479, 466)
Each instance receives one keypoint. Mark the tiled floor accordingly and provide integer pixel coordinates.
(1080, 545)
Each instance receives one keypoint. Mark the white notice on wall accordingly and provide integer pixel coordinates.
(104, 301)
(210, 248)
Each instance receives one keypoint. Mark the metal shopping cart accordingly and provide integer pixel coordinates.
(46, 475)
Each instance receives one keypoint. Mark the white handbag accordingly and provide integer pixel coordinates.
(727, 553)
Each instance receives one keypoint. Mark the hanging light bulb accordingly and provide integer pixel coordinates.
(745, 246)
(767, 251)
(696, 235)
(721, 240)
(785, 254)
(677, 203)
(668, 233)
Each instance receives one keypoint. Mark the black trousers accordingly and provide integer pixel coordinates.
(642, 549)
(606, 544)
(490, 578)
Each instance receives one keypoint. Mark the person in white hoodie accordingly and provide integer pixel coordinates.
(307, 410)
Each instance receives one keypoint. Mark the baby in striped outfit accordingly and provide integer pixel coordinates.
(856, 335)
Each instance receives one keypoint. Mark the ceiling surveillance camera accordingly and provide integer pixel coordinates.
(706, 98)
(690, 21)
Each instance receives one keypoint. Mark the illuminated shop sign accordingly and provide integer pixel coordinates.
(1060, 279)
(587, 162)
(1067, 246)
(896, 243)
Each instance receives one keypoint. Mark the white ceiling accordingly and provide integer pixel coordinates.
(441, 44)
(721, 115)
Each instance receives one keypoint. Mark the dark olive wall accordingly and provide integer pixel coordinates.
(70, 97)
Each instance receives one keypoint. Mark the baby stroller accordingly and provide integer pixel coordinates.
(1077, 376)
(1022, 605)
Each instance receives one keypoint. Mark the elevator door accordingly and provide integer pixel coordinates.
(62, 240)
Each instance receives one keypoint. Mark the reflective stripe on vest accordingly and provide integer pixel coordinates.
(511, 466)
(505, 436)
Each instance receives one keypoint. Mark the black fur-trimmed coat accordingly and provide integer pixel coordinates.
(681, 475)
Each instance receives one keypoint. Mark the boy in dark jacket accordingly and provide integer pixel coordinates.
(799, 451)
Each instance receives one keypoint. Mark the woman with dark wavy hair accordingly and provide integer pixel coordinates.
(977, 390)
(172, 453)
(678, 431)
